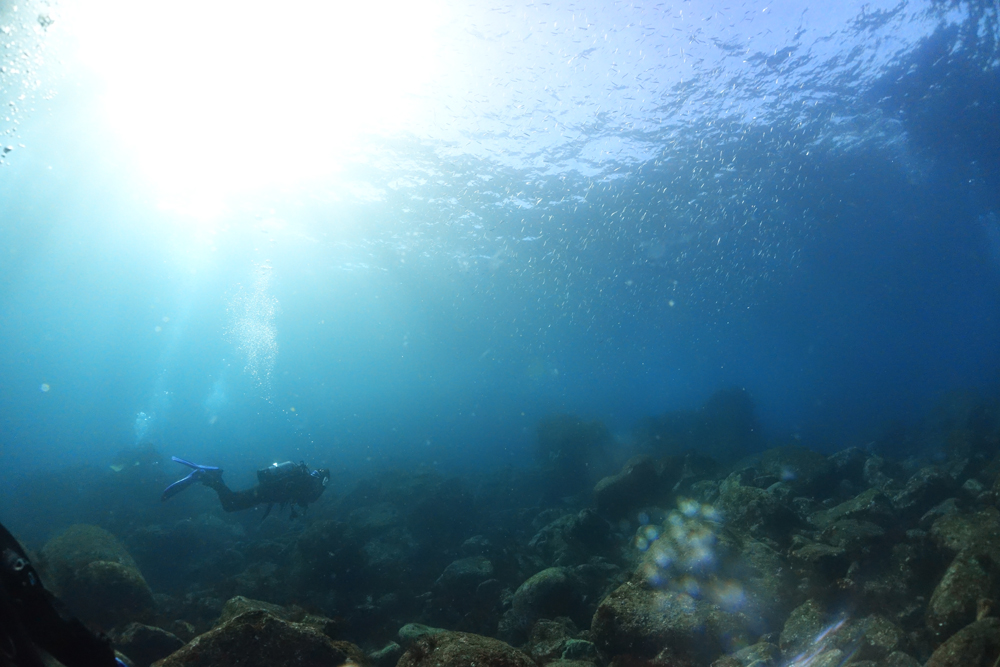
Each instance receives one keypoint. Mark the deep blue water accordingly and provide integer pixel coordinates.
(610, 210)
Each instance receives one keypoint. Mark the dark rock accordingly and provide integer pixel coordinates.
(109, 594)
(925, 489)
(954, 532)
(854, 537)
(145, 644)
(556, 591)
(973, 575)
(387, 656)
(463, 575)
(562, 662)
(184, 630)
(875, 474)
(871, 638)
(572, 539)
(258, 639)
(975, 645)
(461, 649)
(804, 471)
(567, 447)
(753, 510)
(871, 505)
(825, 561)
(637, 484)
(477, 545)
(411, 632)
(947, 507)
(849, 464)
(465, 597)
(547, 640)
(580, 649)
(192, 551)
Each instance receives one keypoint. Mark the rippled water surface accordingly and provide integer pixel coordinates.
(410, 231)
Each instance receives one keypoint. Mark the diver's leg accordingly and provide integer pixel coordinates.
(232, 501)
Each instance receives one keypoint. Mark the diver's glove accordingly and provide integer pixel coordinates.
(197, 474)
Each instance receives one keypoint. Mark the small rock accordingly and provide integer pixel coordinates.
(387, 656)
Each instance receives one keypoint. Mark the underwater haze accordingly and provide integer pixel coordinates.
(404, 234)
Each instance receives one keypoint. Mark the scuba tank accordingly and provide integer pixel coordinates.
(277, 472)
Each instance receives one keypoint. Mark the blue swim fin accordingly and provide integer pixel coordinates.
(196, 475)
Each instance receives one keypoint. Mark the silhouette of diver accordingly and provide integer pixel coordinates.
(282, 483)
(33, 622)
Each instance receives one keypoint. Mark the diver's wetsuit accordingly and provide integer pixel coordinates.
(284, 483)
(34, 620)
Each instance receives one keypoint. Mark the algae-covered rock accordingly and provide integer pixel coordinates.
(641, 621)
(953, 532)
(463, 575)
(555, 591)
(925, 489)
(79, 546)
(871, 505)
(462, 649)
(547, 640)
(240, 605)
(802, 627)
(259, 639)
(412, 632)
(96, 577)
(972, 575)
(975, 645)
(900, 659)
(108, 594)
(387, 656)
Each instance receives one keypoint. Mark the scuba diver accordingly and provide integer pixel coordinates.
(34, 622)
(282, 483)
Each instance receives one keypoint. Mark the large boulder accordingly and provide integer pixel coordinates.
(642, 622)
(96, 577)
(462, 649)
(257, 638)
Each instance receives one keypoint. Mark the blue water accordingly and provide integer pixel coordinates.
(610, 210)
